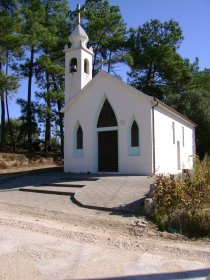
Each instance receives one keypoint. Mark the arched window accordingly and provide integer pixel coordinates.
(107, 116)
(79, 138)
(86, 66)
(134, 135)
(73, 65)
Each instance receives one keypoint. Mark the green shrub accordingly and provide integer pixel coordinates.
(179, 206)
(201, 171)
(191, 223)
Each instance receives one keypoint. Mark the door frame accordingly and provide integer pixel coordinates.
(104, 129)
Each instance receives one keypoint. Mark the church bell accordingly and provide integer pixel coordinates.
(73, 68)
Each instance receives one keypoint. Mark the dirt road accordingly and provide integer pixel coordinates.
(37, 248)
(46, 237)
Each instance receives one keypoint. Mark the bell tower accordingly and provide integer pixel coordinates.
(78, 61)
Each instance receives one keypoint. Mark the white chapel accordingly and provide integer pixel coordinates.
(110, 127)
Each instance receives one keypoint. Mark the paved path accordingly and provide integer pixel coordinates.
(115, 192)
(124, 193)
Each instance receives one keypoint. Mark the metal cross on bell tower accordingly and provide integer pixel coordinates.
(78, 12)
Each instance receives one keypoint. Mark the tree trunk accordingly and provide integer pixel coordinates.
(8, 117)
(9, 125)
(3, 125)
(48, 97)
(48, 117)
(60, 116)
(29, 113)
(148, 78)
(109, 63)
(96, 52)
(94, 64)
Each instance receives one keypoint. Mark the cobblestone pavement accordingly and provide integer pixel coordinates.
(115, 192)
(106, 192)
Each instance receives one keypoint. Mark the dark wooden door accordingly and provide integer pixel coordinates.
(108, 151)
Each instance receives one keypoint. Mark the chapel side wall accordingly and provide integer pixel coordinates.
(166, 158)
(67, 133)
(127, 107)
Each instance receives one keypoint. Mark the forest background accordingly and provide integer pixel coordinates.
(33, 35)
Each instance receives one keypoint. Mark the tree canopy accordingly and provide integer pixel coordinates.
(156, 67)
(106, 30)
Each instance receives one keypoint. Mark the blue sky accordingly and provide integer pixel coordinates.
(193, 17)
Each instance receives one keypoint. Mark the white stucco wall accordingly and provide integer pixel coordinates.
(127, 105)
(166, 160)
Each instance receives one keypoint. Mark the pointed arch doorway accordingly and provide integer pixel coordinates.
(107, 139)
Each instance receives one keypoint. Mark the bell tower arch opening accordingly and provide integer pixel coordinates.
(86, 66)
(73, 65)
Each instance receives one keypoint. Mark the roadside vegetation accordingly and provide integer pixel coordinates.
(15, 162)
(184, 205)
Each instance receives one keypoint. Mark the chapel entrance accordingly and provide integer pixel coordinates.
(107, 139)
(107, 151)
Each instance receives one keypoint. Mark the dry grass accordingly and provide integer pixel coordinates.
(20, 162)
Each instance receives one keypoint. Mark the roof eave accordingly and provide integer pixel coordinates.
(173, 111)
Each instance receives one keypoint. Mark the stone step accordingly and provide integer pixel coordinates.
(64, 185)
(79, 179)
(50, 190)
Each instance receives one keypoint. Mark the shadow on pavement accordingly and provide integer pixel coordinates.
(190, 275)
(15, 180)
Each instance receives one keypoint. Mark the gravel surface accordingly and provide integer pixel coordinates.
(35, 246)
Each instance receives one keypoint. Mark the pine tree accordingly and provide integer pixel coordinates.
(50, 65)
(33, 30)
(9, 47)
(106, 30)
(156, 67)
(194, 103)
